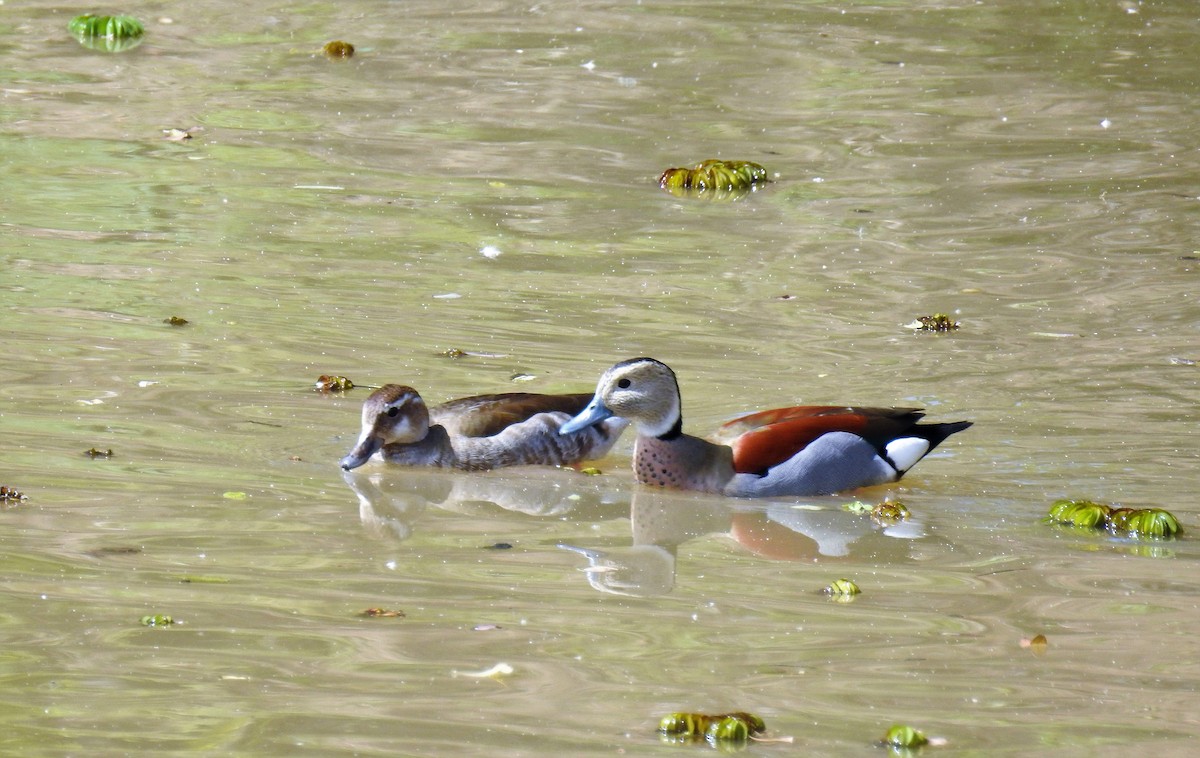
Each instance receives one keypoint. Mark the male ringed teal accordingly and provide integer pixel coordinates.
(804, 450)
(477, 433)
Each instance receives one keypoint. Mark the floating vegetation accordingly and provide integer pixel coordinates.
(111, 34)
(338, 50)
(329, 383)
(590, 471)
(938, 322)
(455, 353)
(889, 512)
(382, 613)
(723, 179)
(181, 135)
(1154, 523)
(10, 495)
(718, 730)
(904, 736)
(194, 579)
(842, 590)
(858, 507)
(157, 620)
(495, 672)
(1137, 523)
(97, 453)
(1081, 513)
(108, 550)
(1036, 644)
(175, 321)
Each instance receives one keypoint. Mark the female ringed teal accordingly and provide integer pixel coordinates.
(477, 433)
(804, 450)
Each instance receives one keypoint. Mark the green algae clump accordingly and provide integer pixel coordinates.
(842, 590)
(904, 736)
(1081, 513)
(718, 730)
(938, 322)
(1134, 523)
(725, 179)
(338, 50)
(112, 34)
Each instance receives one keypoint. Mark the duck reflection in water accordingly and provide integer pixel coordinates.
(392, 502)
(663, 520)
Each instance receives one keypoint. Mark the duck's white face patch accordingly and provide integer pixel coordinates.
(906, 451)
(400, 429)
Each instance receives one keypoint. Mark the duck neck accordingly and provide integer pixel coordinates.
(674, 432)
(668, 426)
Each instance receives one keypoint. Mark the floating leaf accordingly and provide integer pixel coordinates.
(338, 50)
(687, 724)
(111, 34)
(725, 179)
(380, 613)
(203, 580)
(107, 550)
(728, 729)
(889, 512)
(1082, 513)
(118, 27)
(938, 322)
(590, 471)
(858, 507)
(234, 495)
(1037, 644)
(1155, 523)
(97, 453)
(180, 135)
(157, 620)
(499, 670)
(8, 494)
(738, 726)
(175, 321)
(842, 589)
(902, 735)
(330, 383)
(1137, 523)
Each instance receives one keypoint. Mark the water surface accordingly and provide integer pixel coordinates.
(1029, 168)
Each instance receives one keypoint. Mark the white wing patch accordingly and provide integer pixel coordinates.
(904, 453)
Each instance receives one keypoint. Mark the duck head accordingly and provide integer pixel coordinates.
(393, 414)
(642, 390)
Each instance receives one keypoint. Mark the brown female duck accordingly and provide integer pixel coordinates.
(477, 433)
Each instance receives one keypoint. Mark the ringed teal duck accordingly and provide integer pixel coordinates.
(477, 433)
(805, 450)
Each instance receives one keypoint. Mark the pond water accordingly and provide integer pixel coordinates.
(480, 180)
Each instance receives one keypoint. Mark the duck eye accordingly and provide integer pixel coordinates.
(392, 411)
(623, 383)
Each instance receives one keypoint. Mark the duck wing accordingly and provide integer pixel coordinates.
(765, 439)
(488, 415)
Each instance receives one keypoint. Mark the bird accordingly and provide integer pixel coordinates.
(803, 450)
(477, 433)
